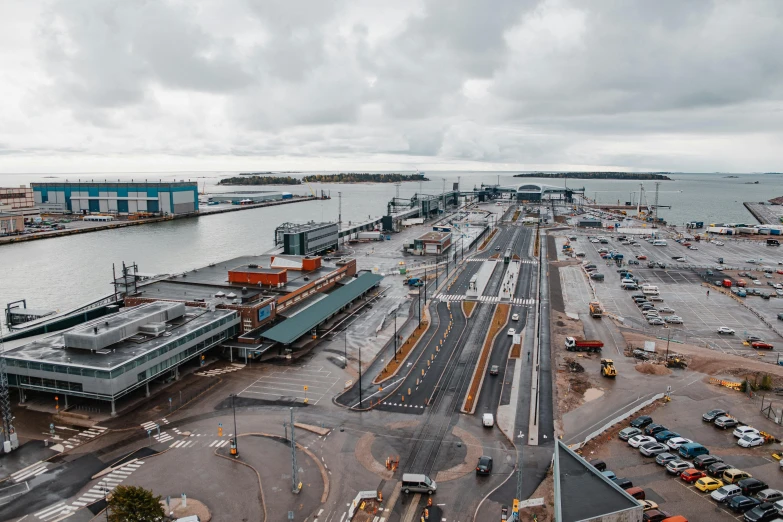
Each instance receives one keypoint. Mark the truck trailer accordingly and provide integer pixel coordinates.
(577, 344)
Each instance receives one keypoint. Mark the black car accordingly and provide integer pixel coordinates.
(762, 513)
(702, 461)
(623, 482)
(497, 248)
(484, 466)
(598, 464)
(634, 296)
(751, 486)
(713, 414)
(716, 470)
(741, 503)
(641, 422)
(652, 429)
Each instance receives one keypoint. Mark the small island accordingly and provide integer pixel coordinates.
(597, 175)
(355, 177)
(254, 179)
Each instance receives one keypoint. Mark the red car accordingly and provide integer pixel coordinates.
(761, 345)
(641, 258)
(692, 475)
(686, 244)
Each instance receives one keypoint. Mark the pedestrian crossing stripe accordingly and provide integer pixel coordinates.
(220, 371)
(402, 405)
(486, 299)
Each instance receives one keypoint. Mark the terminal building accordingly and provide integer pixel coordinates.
(108, 358)
(431, 243)
(307, 238)
(169, 198)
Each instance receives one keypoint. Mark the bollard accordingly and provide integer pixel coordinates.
(417, 381)
(402, 398)
(409, 391)
(432, 357)
(428, 363)
(422, 372)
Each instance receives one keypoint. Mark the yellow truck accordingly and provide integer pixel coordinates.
(608, 369)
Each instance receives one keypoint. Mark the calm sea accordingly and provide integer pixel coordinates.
(65, 272)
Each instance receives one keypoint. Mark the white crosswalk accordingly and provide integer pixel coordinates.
(106, 484)
(402, 404)
(82, 437)
(29, 472)
(56, 512)
(487, 299)
(220, 371)
(218, 443)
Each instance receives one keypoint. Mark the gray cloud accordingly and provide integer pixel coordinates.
(508, 84)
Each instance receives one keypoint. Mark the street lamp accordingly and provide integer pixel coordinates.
(234, 445)
(395, 335)
(360, 376)
(105, 488)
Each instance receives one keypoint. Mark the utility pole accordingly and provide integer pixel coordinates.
(360, 376)
(395, 335)
(345, 349)
(425, 285)
(419, 292)
(294, 468)
(236, 435)
(340, 209)
(9, 434)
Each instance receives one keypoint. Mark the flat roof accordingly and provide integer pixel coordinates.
(292, 329)
(30, 311)
(258, 269)
(52, 350)
(217, 273)
(107, 183)
(434, 236)
(582, 492)
(183, 291)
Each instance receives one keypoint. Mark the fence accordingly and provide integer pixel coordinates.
(617, 419)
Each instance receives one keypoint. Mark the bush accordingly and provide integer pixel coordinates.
(134, 504)
(766, 382)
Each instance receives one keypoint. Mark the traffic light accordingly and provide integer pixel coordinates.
(516, 506)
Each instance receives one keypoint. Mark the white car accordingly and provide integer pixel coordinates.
(594, 241)
(673, 319)
(751, 261)
(511, 331)
(655, 298)
(666, 310)
(488, 420)
(639, 440)
(748, 441)
(756, 282)
(692, 248)
(515, 317)
(741, 431)
(719, 243)
(675, 442)
(725, 330)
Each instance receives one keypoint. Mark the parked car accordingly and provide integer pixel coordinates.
(702, 461)
(726, 330)
(666, 310)
(673, 319)
(725, 422)
(641, 422)
(716, 469)
(713, 414)
(706, 484)
(692, 475)
(627, 433)
(692, 450)
(623, 482)
(751, 486)
(598, 464)
(652, 429)
(652, 448)
(676, 467)
(750, 441)
(762, 513)
(761, 345)
(655, 321)
(741, 503)
(745, 430)
(664, 458)
(638, 440)
(770, 495)
(647, 505)
(654, 515)
(609, 474)
(725, 493)
(734, 475)
(675, 442)
(663, 436)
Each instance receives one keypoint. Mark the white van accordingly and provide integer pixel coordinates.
(650, 290)
(415, 483)
(488, 420)
(659, 242)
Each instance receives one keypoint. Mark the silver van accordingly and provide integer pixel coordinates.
(415, 483)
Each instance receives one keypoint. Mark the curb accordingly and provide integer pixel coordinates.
(258, 475)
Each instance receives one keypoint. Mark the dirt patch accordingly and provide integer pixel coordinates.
(571, 380)
(474, 451)
(591, 449)
(467, 307)
(401, 425)
(498, 320)
(652, 369)
(712, 362)
(488, 239)
(545, 490)
(403, 351)
(568, 262)
(592, 394)
(363, 452)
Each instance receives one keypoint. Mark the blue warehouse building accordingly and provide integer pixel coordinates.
(117, 198)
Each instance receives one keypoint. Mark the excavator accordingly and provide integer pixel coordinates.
(608, 369)
(676, 362)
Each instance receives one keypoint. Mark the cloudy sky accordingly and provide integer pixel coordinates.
(161, 85)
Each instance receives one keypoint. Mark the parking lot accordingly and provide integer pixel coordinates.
(684, 417)
(684, 290)
(289, 384)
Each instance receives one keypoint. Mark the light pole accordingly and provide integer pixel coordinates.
(668, 331)
(360, 376)
(235, 449)
(395, 335)
(104, 487)
(345, 349)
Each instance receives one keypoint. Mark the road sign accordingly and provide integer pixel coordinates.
(515, 507)
(305, 388)
(220, 424)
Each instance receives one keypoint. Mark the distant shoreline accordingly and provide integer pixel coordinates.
(597, 175)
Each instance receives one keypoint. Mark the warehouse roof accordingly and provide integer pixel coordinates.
(292, 329)
(582, 492)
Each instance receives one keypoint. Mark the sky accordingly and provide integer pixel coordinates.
(170, 85)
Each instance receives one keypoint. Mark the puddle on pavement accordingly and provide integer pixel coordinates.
(593, 393)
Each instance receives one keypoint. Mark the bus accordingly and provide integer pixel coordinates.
(507, 257)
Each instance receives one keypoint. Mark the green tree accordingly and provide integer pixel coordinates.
(134, 504)
(766, 382)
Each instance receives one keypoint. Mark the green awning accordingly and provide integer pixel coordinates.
(295, 327)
